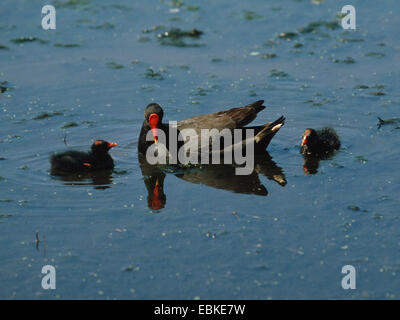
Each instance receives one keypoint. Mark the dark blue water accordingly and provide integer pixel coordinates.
(92, 77)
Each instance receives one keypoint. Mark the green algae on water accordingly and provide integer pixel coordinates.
(22, 40)
(174, 37)
(277, 74)
(192, 8)
(178, 33)
(45, 115)
(71, 4)
(67, 45)
(151, 74)
(377, 93)
(251, 15)
(288, 35)
(375, 54)
(348, 60)
(313, 27)
(69, 125)
(114, 65)
(268, 55)
(105, 26)
(391, 121)
(361, 86)
(4, 87)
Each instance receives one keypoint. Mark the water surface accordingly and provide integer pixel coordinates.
(279, 233)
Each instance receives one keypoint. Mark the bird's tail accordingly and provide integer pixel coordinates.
(263, 138)
(258, 105)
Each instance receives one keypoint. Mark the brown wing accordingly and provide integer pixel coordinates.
(230, 119)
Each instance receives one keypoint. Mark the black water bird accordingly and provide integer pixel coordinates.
(231, 119)
(73, 161)
(319, 143)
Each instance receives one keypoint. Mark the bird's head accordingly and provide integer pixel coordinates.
(309, 138)
(153, 116)
(102, 147)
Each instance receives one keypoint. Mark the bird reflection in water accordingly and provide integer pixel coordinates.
(310, 165)
(99, 179)
(218, 176)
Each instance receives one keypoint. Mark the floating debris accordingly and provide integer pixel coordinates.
(268, 56)
(356, 208)
(114, 65)
(45, 115)
(288, 35)
(22, 40)
(361, 86)
(251, 15)
(377, 93)
(174, 37)
(351, 40)
(3, 87)
(176, 3)
(375, 54)
(270, 43)
(178, 33)
(3, 47)
(313, 27)
(152, 29)
(151, 74)
(192, 8)
(71, 4)
(348, 60)
(378, 216)
(362, 159)
(391, 121)
(106, 26)
(67, 45)
(277, 74)
(120, 7)
(69, 125)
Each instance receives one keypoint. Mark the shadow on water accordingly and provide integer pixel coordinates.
(311, 162)
(99, 179)
(310, 165)
(218, 176)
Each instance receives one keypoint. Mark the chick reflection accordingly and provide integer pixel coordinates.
(99, 179)
(220, 176)
(310, 165)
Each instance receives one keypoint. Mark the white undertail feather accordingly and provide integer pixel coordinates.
(277, 127)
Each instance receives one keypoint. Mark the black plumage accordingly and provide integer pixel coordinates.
(71, 161)
(321, 142)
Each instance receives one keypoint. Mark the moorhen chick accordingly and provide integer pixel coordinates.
(319, 143)
(235, 118)
(72, 161)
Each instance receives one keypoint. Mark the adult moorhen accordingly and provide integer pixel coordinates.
(73, 161)
(235, 118)
(319, 143)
